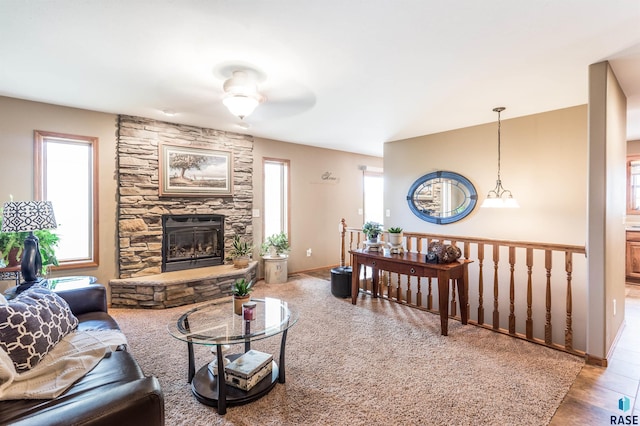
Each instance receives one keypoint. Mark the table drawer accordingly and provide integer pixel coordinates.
(394, 266)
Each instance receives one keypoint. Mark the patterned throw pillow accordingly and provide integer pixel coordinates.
(32, 323)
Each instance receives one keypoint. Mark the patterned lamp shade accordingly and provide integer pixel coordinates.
(28, 216)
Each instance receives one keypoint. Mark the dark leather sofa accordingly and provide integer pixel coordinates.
(115, 392)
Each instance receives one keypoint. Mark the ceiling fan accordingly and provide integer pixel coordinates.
(246, 89)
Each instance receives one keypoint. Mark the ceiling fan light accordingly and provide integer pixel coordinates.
(240, 105)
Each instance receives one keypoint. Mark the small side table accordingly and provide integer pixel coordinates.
(68, 283)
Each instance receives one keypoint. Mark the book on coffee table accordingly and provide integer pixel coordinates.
(248, 369)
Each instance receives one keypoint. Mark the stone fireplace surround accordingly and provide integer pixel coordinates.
(140, 210)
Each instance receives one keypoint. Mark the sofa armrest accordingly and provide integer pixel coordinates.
(139, 402)
(92, 298)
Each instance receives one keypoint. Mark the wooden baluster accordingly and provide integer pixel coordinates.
(419, 293)
(453, 309)
(389, 287)
(430, 295)
(529, 322)
(548, 337)
(350, 241)
(398, 290)
(409, 241)
(480, 284)
(512, 285)
(496, 261)
(466, 253)
(343, 230)
(568, 332)
(408, 298)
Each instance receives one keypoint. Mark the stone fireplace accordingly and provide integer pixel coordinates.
(192, 241)
(141, 209)
(150, 262)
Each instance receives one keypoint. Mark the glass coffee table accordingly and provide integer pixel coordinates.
(215, 324)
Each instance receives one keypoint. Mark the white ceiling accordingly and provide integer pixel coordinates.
(342, 74)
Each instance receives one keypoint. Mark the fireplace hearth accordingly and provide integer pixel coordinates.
(192, 241)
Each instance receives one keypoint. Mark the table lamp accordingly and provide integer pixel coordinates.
(28, 216)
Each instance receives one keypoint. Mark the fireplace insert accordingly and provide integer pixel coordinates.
(192, 241)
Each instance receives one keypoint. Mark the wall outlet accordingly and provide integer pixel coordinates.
(388, 213)
(308, 252)
(360, 212)
(256, 213)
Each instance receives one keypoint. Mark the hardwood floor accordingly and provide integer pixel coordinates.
(593, 398)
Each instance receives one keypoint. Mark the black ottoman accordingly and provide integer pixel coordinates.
(341, 281)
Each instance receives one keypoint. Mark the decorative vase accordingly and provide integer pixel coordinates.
(238, 301)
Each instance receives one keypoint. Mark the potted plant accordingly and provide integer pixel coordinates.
(240, 252)
(395, 236)
(372, 230)
(241, 294)
(11, 244)
(276, 245)
(275, 251)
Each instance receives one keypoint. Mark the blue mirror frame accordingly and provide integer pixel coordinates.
(425, 188)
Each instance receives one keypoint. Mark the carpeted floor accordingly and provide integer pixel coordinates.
(376, 363)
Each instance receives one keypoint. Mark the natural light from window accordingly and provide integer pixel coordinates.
(66, 178)
(276, 196)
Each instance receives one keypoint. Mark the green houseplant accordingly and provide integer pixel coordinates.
(240, 252)
(241, 291)
(372, 230)
(276, 245)
(11, 244)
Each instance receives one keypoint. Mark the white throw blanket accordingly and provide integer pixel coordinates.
(69, 360)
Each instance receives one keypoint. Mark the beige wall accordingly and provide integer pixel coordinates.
(18, 120)
(544, 164)
(633, 147)
(317, 206)
(606, 236)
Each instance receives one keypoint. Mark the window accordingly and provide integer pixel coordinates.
(66, 170)
(633, 184)
(373, 197)
(276, 196)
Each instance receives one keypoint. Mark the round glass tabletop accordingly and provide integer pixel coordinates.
(216, 323)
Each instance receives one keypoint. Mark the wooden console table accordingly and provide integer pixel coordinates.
(414, 264)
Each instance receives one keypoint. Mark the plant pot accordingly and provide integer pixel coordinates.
(238, 301)
(373, 240)
(395, 239)
(275, 270)
(241, 262)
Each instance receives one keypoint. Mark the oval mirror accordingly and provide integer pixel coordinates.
(442, 197)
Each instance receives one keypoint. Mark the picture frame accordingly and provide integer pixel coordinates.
(189, 171)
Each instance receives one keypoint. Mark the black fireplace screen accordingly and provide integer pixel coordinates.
(192, 241)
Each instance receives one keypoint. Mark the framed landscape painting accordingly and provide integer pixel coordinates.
(187, 171)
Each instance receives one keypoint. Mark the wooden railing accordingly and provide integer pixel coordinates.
(513, 286)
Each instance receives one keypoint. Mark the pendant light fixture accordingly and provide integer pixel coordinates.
(499, 197)
(241, 94)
